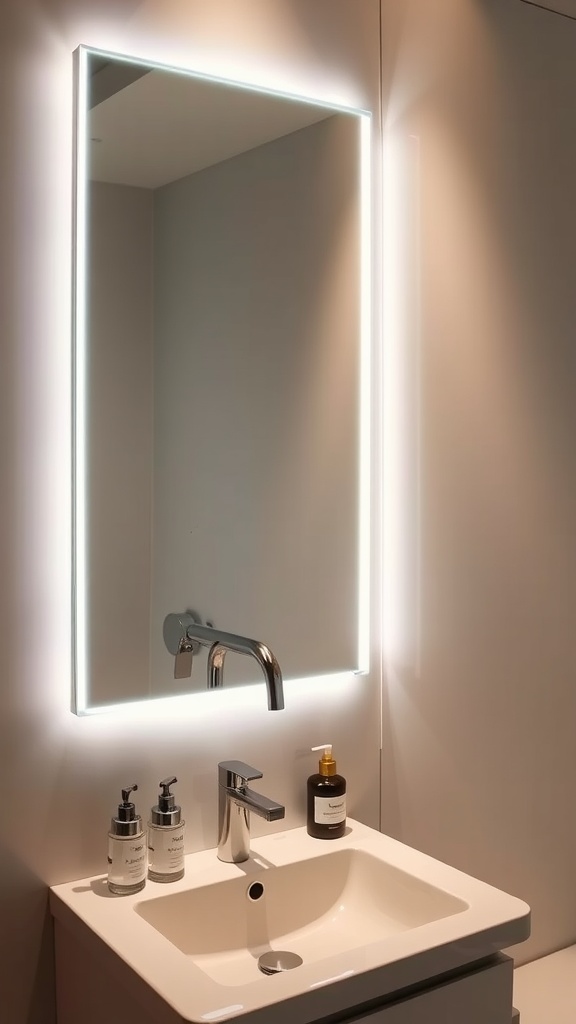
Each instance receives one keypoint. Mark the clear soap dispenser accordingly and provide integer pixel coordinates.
(166, 837)
(126, 849)
(326, 811)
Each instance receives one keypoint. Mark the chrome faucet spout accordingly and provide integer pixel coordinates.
(183, 634)
(261, 805)
(264, 657)
(235, 801)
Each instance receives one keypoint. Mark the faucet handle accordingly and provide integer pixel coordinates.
(234, 774)
(183, 660)
(175, 630)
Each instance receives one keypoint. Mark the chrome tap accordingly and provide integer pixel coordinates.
(263, 655)
(182, 636)
(235, 801)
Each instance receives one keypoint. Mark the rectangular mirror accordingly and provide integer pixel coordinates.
(221, 386)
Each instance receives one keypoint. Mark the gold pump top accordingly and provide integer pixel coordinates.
(326, 764)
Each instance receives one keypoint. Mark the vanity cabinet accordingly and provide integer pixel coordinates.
(96, 989)
(480, 996)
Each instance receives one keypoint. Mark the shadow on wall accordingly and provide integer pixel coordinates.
(26, 948)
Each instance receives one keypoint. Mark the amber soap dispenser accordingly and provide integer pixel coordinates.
(326, 816)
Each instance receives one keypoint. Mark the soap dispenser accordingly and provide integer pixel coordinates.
(166, 837)
(126, 849)
(326, 814)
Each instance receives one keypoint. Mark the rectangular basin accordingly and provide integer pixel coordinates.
(318, 908)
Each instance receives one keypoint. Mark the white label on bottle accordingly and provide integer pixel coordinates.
(126, 859)
(166, 849)
(330, 810)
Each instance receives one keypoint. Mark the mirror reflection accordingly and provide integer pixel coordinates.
(219, 384)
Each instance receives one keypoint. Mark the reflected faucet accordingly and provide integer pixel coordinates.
(235, 801)
(183, 635)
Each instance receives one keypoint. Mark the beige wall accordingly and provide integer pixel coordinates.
(61, 774)
(479, 759)
(567, 8)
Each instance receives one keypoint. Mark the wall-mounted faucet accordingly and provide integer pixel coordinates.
(235, 801)
(183, 636)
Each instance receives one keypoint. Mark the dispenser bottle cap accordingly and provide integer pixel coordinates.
(166, 811)
(326, 764)
(127, 822)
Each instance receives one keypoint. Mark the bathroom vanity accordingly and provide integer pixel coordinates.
(386, 935)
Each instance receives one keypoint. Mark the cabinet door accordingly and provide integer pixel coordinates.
(482, 996)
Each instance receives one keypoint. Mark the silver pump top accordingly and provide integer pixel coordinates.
(166, 811)
(127, 823)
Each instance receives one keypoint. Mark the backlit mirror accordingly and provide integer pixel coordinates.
(221, 385)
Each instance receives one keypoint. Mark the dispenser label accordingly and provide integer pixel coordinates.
(126, 859)
(166, 849)
(329, 810)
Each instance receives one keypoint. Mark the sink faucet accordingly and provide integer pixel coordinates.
(263, 655)
(183, 634)
(235, 801)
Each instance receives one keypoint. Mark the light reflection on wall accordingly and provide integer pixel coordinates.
(401, 405)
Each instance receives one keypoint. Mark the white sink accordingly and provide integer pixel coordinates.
(367, 915)
(318, 908)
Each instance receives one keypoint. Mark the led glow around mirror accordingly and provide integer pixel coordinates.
(222, 377)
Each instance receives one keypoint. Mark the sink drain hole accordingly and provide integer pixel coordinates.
(255, 891)
(276, 961)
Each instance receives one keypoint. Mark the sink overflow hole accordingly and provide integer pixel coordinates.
(277, 960)
(255, 891)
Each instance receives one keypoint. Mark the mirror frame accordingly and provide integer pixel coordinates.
(80, 703)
